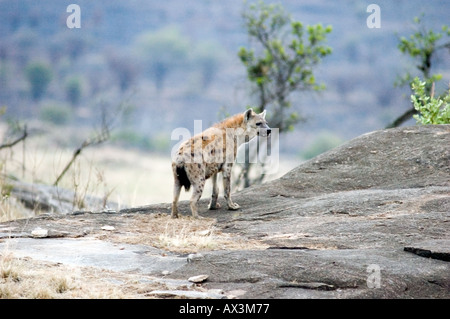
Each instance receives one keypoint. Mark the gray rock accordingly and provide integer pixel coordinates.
(194, 257)
(335, 218)
(189, 294)
(198, 279)
(342, 225)
(96, 253)
(39, 233)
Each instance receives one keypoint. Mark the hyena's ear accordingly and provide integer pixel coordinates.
(263, 114)
(248, 115)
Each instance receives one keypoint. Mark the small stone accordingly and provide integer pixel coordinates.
(235, 293)
(108, 211)
(186, 294)
(198, 279)
(194, 257)
(109, 228)
(39, 233)
(206, 232)
(165, 272)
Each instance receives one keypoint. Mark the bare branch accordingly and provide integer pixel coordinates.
(403, 118)
(21, 138)
(98, 139)
(432, 90)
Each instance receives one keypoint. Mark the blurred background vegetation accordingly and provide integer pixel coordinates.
(153, 66)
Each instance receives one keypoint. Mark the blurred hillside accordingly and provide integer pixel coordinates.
(172, 62)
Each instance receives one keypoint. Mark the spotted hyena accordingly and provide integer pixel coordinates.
(211, 152)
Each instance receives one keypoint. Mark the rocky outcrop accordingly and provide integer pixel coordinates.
(345, 217)
(369, 219)
(55, 200)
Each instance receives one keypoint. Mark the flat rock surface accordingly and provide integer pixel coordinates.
(97, 253)
(369, 219)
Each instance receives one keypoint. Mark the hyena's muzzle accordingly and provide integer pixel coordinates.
(263, 129)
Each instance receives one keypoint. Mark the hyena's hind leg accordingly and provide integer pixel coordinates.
(196, 173)
(176, 193)
(197, 190)
(176, 196)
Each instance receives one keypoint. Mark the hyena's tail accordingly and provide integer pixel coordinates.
(183, 178)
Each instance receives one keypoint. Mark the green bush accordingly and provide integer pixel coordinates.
(160, 143)
(55, 114)
(73, 90)
(130, 138)
(322, 143)
(162, 52)
(39, 75)
(431, 110)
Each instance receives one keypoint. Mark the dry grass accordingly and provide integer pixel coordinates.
(182, 235)
(128, 177)
(30, 279)
(11, 208)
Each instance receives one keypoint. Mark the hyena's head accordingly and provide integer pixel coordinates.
(256, 124)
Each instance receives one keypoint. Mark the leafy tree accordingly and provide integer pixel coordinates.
(162, 51)
(73, 90)
(422, 46)
(281, 62)
(75, 44)
(124, 69)
(206, 58)
(55, 113)
(283, 59)
(323, 142)
(24, 43)
(39, 75)
(430, 110)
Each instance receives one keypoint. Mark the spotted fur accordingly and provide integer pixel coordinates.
(211, 152)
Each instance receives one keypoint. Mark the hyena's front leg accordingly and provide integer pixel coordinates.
(213, 204)
(227, 187)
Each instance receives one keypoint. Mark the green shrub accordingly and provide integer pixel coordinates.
(160, 143)
(73, 90)
(431, 110)
(322, 143)
(133, 139)
(39, 75)
(130, 138)
(56, 114)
